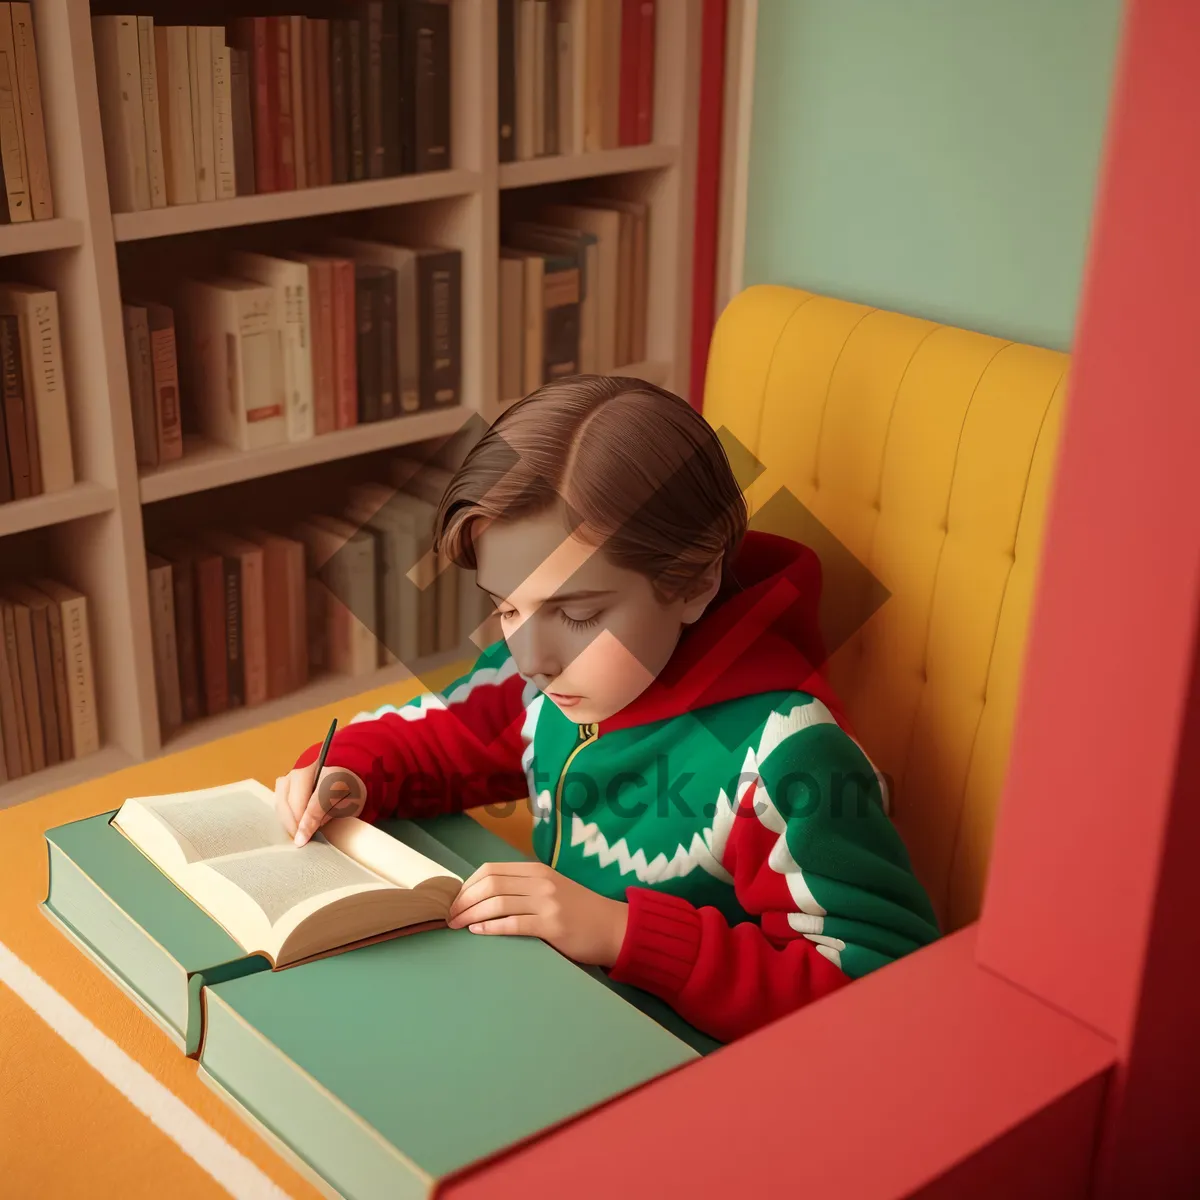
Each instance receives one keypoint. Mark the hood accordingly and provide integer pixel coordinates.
(760, 634)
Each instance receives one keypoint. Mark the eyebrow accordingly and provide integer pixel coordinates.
(558, 597)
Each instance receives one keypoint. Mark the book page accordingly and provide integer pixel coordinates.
(231, 822)
(278, 880)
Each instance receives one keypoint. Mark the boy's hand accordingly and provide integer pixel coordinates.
(531, 900)
(340, 793)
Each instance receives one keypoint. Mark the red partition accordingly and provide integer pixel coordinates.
(1053, 1049)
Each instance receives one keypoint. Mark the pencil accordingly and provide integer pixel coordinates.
(324, 754)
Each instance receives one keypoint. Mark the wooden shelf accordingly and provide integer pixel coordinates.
(82, 500)
(31, 237)
(555, 168)
(287, 206)
(463, 208)
(206, 465)
(65, 775)
(328, 689)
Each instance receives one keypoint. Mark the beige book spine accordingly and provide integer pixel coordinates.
(203, 118)
(118, 79)
(141, 384)
(225, 182)
(42, 365)
(81, 686)
(175, 116)
(163, 642)
(156, 174)
(77, 646)
(33, 121)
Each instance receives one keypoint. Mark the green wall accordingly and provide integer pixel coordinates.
(938, 157)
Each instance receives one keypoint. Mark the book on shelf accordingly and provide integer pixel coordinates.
(25, 192)
(47, 689)
(575, 76)
(163, 645)
(194, 113)
(234, 335)
(35, 433)
(289, 279)
(227, 851)
(153, 371)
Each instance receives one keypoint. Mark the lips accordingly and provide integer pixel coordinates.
(562, 698)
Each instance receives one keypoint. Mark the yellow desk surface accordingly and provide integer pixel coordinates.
(65, 1129)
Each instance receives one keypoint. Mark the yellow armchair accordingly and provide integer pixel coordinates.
(926, 451)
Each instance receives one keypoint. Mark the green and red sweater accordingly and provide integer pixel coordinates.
(729, 804)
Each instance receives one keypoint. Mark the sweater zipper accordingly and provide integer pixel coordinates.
(587, 735)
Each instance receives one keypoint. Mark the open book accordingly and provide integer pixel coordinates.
(225, 848)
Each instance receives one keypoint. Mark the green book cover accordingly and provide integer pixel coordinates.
(392, 1066)
(142, 931)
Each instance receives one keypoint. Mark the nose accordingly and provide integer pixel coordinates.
(535, 649)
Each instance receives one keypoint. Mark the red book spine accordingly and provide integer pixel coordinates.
(264, 108)
(345, 331)
(627, 111)
(285, 161)
(644, 124)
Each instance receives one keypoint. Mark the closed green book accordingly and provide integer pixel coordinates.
(142, 931)
(388, 1068)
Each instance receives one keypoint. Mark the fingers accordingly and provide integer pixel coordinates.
(493, 907)
(518, 926)
(484, 884)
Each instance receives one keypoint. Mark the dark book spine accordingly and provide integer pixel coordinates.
(183, 586)
(14, 408)
(366, 293)
(560, 338)
(439, 283)
(372, 101)
(390, 98)
(285, 144)
(428, 35)
(507, 72)
(354, 99)
(389, 399)
(243, 123)
(235, 671)
(6, 481)
(266, 104)
(5, 218)
(339, 65)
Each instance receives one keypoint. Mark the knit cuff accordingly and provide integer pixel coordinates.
(661, 945)
(362, 762)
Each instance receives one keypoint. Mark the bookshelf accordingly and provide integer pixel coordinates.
(93, 535)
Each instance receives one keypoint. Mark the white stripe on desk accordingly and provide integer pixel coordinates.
(229, 1167)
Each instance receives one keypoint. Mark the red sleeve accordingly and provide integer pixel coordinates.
(435, 754)
(725, 980)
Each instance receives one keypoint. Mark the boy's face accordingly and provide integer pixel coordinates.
(590, 634)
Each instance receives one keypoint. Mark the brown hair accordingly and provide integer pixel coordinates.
(633, 464)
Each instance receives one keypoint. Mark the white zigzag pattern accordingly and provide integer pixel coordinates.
(660, 868)
(810, 920)
(416, 709)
